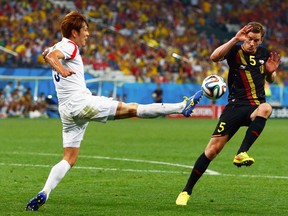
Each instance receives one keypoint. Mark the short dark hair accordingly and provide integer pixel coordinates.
(257, 28)
(73, 20)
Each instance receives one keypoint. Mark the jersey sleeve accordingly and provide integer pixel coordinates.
(69, 49)
(232, 52)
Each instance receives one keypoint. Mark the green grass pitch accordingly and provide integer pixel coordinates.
(138, 167)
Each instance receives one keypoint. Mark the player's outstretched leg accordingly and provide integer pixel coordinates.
(242, 159)
(191, 103)
(35, 203)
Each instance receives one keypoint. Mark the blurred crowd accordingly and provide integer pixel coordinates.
(17, 101)
(140, 37)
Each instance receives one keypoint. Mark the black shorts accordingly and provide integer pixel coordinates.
(232, 118)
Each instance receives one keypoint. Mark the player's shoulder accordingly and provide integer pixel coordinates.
(66, 42)
(263, 51)
(67, 47)
(233, 51)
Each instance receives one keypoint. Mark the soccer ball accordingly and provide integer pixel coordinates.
(213, 87)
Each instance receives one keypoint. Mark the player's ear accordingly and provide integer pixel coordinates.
(262, 38)
(74, 33)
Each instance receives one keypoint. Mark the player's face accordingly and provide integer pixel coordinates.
(83, 35)
(252, 42)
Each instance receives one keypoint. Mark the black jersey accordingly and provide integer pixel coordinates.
(246, 77)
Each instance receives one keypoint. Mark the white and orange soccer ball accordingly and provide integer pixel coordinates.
(213, 87)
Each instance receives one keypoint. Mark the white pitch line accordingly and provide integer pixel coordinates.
(142, 171)
(210, 172)
(258, 176)
(96, 168)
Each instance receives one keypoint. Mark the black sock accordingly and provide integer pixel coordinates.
(199, 168)
(252, 133)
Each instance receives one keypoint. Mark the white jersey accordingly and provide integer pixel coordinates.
(75, 84)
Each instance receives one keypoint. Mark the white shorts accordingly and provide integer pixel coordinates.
(76, 114)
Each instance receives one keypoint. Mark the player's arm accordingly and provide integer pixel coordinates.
(219, 53)
(52, 58)
(271, 66)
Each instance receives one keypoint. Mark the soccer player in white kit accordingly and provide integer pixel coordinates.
(77, 106)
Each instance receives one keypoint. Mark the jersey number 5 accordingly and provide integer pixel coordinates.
(221, 127)
(252, 60)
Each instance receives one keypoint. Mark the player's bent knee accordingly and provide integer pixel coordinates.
(265, 109)
(126, 110)
(212, 152)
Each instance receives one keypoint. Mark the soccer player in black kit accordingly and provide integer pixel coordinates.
(249, 66)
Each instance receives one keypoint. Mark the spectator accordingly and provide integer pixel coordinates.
(158, 94)
(41, 104)
(27, 102)
(8, 89)
(20, 87)
(14, 104)
(3, 105)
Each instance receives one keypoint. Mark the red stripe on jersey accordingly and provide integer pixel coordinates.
(238, 58)
(74, 51)
(247, 86)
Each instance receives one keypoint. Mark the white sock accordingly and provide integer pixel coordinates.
(57, 173)
(158, 109)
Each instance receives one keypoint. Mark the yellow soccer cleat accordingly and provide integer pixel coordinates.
(242, 159)
(182, 198)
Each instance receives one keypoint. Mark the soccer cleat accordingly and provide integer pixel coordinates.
(242, 159)
(191, 103)
(35, 203)
(182, 198)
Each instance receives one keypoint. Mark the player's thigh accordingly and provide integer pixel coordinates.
(94, 108)
(105, 108)
(232, 118)
(264, 110)
(73, 132)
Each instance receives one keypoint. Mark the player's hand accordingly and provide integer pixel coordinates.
(44, 53)
(242, 33)
(65, 73)
(273, 62)
(53, 59)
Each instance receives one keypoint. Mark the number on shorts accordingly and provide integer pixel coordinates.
(221, 127)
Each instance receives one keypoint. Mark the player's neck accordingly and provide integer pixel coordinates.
(246, 51)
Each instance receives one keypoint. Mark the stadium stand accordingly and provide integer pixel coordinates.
(138, 37)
